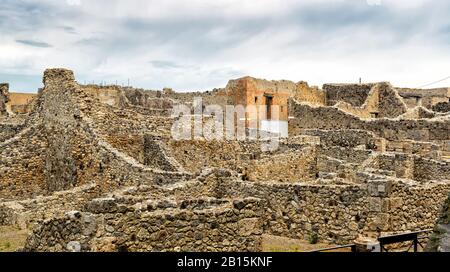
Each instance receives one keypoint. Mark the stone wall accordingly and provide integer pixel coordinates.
(22, 164)
(424, 97)
(440, 238)
(331, 118)
(354, 94)
(291, 166)
(390, 103)
(4, 98)
(191, 225)
(382, 101)
(65, 144)
(343, 138)
(61, 116)
(25, 214)
(195, 155)
(312, 95)
(442, 107)
(156, 154)
(8, 130)
(21, 103)
(414, 167)
(336, 213)
(249, 91)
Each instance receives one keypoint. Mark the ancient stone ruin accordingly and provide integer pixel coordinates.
(95, 168)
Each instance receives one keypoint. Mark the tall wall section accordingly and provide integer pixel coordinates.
(4, 98)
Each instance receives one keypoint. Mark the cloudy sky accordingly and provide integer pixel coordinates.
(201, 44)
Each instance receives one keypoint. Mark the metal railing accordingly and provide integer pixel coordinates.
(414, 237)
(351, 246)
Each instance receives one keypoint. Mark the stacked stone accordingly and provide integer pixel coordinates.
(4, 98)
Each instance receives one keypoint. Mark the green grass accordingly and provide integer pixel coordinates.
(12, 239)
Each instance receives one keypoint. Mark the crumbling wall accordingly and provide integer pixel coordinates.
(292, 166)
(22, 160)
(335, 213)
(195, 155)
(343, 138)
(21, 103)
(332, 118)
(354, 94)
(312, 95)
(390, 103)
(8, 130)
(414, 167)
(61, 146)
(163, 226)
(424, 97)
(61, 121)
(440, 238)
(24, 214)
(418, 113)
(110, 95)
(381, 101)
(442, 107)
(156, 154)
(4, 98)
(416, 207)
(327, 118)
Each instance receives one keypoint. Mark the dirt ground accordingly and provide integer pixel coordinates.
(11, 239)
(272, 243)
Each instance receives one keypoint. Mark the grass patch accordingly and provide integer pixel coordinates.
(11, 238)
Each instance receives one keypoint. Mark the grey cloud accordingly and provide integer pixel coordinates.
(34, 43)
(164, 64)
(315, 30)
(69, 29)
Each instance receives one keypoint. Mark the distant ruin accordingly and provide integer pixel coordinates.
(94, 168)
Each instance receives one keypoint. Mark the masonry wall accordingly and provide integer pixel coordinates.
(382, 101)
(424, 97)
(21, 103)
(292, 166)
(354, 94)
(8, 130)
(4, 98)
(331, 118)
(196, 155)
(250, 91)
(22, 164)
(307, 94)
(178, 227)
